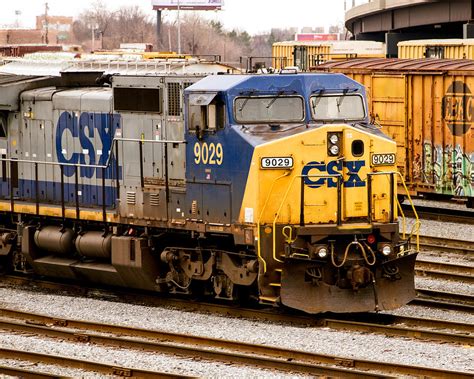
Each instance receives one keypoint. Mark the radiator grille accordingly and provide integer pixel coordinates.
(154, 199)
(131, 198)
(174, 99)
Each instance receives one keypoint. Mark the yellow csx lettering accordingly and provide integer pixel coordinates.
(211, 153)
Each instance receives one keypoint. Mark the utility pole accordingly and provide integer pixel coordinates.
(46, 23)
(179, 31)
(158, 29)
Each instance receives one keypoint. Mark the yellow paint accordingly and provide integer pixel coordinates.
(274, 194)
(51, 211)
(448, 48)
(315, 52)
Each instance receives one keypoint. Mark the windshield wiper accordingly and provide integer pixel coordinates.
(274, 99)
(245, 101)
(341, 98)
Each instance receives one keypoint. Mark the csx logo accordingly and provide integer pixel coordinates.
(89, 128)
(313, 170)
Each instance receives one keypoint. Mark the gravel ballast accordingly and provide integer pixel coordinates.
(312, 339)
(130, 359)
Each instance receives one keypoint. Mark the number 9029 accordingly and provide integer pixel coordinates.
(211, 153)
(277, 162)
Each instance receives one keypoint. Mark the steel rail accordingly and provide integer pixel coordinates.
(241, 353)
(63, 361)
(376, 322)
(200, 347)
(441, 304)
(444, 300)
(22, 373)
(442, 295)
(444, 270)
(441, 214)
(447, 245)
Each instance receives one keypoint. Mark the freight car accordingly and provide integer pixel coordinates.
(437, 48)
(275, 187)
(426, 105)
(305, 54)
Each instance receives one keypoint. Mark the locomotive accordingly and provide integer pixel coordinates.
(273, 187)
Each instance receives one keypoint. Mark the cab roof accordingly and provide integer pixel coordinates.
(297, 83)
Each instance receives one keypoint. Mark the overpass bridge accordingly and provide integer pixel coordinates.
(392, 21)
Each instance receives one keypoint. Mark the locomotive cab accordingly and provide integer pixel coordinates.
(307, 182)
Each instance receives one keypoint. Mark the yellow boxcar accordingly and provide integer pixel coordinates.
(437, 48)
(427, 106)
(305, 54)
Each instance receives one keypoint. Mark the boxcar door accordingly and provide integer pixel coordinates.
(388, 108)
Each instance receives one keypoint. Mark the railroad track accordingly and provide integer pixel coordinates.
(381, 323)
(440, 214)
(66, 362)
(443, 270)
(446, 245)
(444, 300)
(232, 352)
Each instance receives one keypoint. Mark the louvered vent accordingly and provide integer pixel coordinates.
(131, 198)
(174, 99)
(154, 199)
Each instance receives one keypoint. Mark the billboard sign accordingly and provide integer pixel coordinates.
(194, 5)
(316, 37)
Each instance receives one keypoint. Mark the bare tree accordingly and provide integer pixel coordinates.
(199, 36)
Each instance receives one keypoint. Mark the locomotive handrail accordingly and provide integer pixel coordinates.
(107, 163)
(114, 145)
(416, 226)
(259, 252)
(277, 214)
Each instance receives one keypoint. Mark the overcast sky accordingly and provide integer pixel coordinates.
(252, 15)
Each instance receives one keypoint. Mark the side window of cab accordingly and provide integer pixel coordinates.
(206, 113)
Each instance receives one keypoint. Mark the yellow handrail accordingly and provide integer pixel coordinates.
(259, 253)
(277, 214)
(416, 226)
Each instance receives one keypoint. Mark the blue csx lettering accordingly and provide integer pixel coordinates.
(85, 128)
(314, 169)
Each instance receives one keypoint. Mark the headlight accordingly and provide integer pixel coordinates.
(323, 252)
(387, 250)
(334, 139)
(334, 149)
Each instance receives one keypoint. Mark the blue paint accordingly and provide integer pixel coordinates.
(234, 170)
(238, 145)
(85, 128)
(312, 169)
(91, 195)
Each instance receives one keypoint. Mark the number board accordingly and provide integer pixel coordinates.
(276, 162)
(383, 159)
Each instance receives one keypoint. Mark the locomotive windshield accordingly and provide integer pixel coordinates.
(337, 107)
(255, 110)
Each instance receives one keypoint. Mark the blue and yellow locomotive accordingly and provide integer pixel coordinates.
(270, 186)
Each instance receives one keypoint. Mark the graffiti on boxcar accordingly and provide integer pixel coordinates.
(458, 108)
(450, 169)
